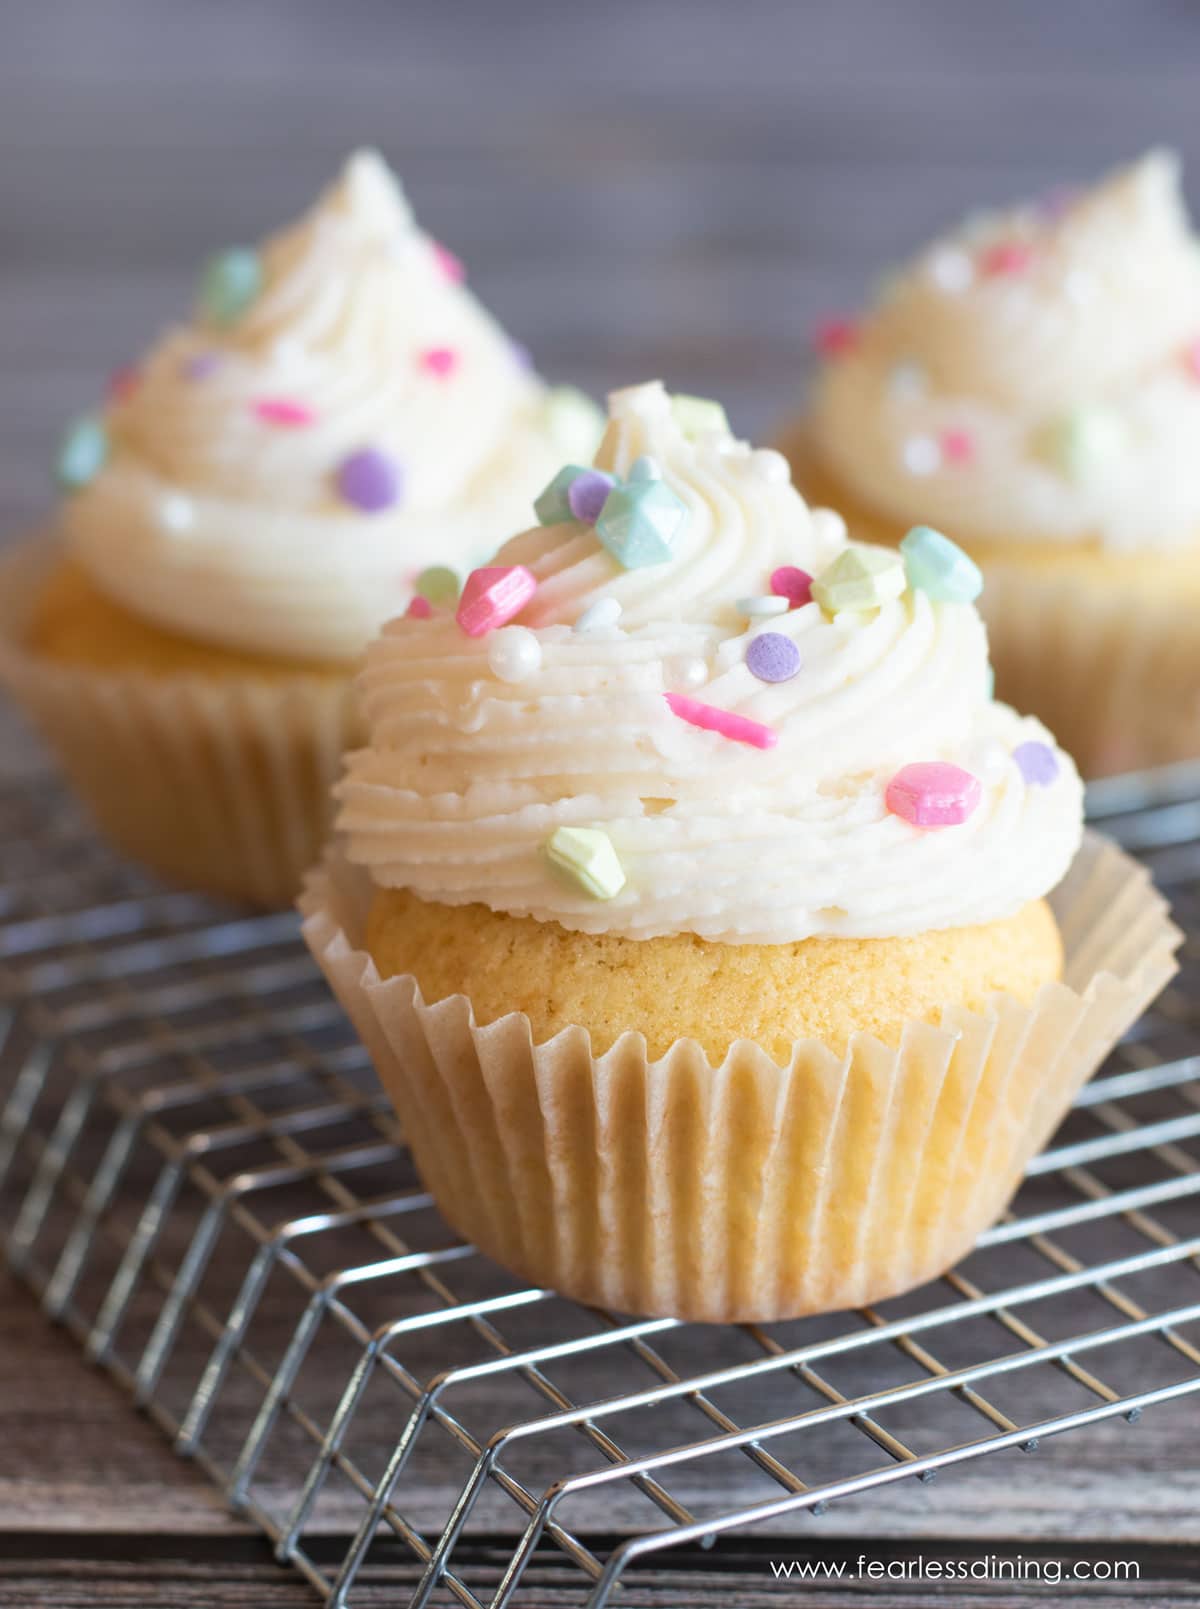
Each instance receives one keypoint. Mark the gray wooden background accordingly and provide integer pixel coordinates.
(665, 188)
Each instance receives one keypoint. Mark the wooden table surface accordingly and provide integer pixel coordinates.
(667, 188)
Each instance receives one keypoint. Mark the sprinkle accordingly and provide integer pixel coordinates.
(451, 266)
(588, 493)
(933, 793)
(81, 453)
(604, 612)
(990, 758)
(770, 466)
(1006, 257)
(1191, 358)
(283, 411)
(645, 468)
(950, 269)
(573, 421)
(370, 480)
(439, 584)
(1037, 762)
(835, 337)
(957, 446)
(122, 383)
(989, 681)
(762, 607)
(419, 608)
(177, 513)
(639, 522)
(553, 505)
(587, 855)
(199, 365)
(1081, 440)
(229, 282)
(698, 416)
(860, 578)
(939, 567)
(492, 596)
(521, 355)
(514, 653)
(772, 657)
(793, 584)
(921, 455)
(710, 719)
(689, 670)
(907, 380)
(439, 360)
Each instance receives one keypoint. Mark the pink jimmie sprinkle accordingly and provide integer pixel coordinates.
(835, 337)
(419, 609)
(122, 383)
(283, 411)
(439, 360)
(933, 793)
(492, 596)
(958, 446)
(792, 583)
(450, 265)
(1006, 257)
(711, 719)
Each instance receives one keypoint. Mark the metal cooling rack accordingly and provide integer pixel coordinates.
(201, 1180)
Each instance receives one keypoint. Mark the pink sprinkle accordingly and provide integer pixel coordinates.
(282, 411)
(793, 584)
(450, 265)
(122, 383)
(933, 793)
(1006, 257)
(440, 360)
(710, 719)
(419, 609)
(1191, 358)
(835, 337)
(492, 596)
(958, 446)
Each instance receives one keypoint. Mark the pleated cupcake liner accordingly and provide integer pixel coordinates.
(747, 1190)
(221, 784)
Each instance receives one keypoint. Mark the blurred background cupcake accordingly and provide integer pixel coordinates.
(1031, 384)
(338, 435)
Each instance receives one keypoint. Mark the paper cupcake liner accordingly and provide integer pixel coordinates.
(218, 784)
(745, 1191)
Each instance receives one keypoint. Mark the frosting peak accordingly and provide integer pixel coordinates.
(702, 746)
(1032, 376)
(341, 414)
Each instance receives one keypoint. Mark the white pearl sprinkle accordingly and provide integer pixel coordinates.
(689, 670)
(922, 455)
(906, 381)
(829, 527)
(604, 612)
(514, 653)
(950, 269)
(771, 466)
(177, 512)
(990, 759)
(767, 603)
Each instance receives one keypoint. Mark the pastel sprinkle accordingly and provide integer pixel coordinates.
(860, 578)
(1037, 762)
(762, 607)
(738, 728)
(772, 657)
(229, 281)
(835, 337)
(922, 455)
(989, 681)
(199, 365)
(698, 416)
(957, 446)
(1006, 257)
(1079, 441)
(492, 595)
(588, 493)
(689, 670)
(439, 584)
(283, 411)
(419, 608)
(1191, 358)
(939, 567)
(933, 793)
(439, 360)
(639, 522)
(514, 653)
(951, 269)
(604, 612)
(645, 468)
(553, 505)
(770, 466)
(370, 480)
(587, 856)
(522, 356)
(451, 266)
(793, 584)
(906, 380)
(81, 453)
(122, 383)
(177, 513)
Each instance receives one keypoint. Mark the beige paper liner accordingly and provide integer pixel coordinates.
(745, 1191)
(219, 784)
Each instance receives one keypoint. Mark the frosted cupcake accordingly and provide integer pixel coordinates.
(1031, 385)
(340, 433)
(693, 901)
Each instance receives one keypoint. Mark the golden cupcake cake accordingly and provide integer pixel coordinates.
(340, 433)
(725, 947)
(1030, 384)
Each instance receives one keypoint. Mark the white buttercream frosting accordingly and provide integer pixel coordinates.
(466, 775)
(1036, 375)
(218, 523)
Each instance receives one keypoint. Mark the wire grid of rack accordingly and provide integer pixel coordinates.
(201, 1180)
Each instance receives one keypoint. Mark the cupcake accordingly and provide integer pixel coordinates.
(1031, 385)
(340, 433)
(726, 949)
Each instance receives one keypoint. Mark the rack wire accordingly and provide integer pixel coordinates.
(201, 1180)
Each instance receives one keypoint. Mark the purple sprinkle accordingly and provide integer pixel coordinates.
(772, 657)
(370, 480)
(522, 356)
(201, 364)
(587, 494)
(1037, 763)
